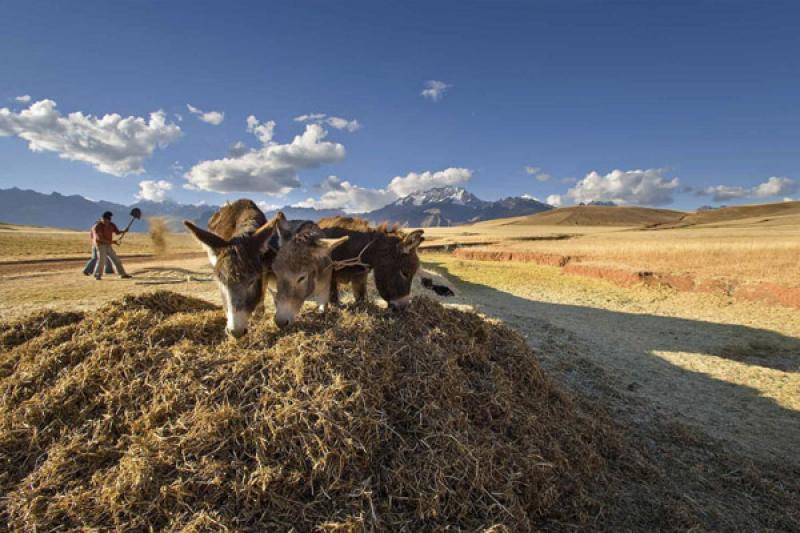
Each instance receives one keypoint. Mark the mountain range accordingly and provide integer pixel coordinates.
(444, 206)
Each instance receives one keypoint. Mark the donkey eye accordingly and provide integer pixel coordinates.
(301, 279)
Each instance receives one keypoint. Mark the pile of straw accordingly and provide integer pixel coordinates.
(144, 415)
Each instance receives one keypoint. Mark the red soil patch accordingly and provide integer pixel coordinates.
(764, 292)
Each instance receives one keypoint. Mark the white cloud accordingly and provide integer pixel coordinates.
(214, 118)
(267, 207)
(788, 199)
(644, 187)
(352, 198)
(725, 192)
(25, 98)
(349, 197)
(537, 173)
(435, 89)
(774, 186)
(153, 191)
(111, 143)
(338, 123)
(417, 182)
(555, 200)
(532, 170)
(264, 132)
(271, 168)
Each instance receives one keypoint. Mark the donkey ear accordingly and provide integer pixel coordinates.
(283, 227)
(331, 244)
(412, 241)
(263, 235)
(206, 238)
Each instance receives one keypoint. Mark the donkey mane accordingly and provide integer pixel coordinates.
(361, 225)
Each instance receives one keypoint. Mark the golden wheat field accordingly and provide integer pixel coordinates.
(535, 398)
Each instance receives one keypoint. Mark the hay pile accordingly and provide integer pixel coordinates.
(143, 415)
(158, 230)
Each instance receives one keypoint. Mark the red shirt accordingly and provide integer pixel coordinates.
(103, 232)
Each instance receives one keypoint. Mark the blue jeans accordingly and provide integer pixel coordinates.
(89, 268)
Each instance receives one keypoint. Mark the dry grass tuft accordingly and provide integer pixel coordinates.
(158, 231)
(143, 415)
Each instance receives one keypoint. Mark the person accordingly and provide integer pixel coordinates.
(90, 264)
(103, 233)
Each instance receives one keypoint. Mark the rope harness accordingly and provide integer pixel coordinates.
(356, 261)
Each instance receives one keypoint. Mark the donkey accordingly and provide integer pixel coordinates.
(303, 269)
(389, 252)
(239, 249)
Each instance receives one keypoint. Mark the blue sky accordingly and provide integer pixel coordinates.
(661, 103)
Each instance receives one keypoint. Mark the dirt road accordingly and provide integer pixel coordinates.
(677, 354)
(66, 263)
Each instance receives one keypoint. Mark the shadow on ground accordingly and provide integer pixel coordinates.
(636, 351)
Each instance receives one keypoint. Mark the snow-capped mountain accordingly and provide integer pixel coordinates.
(451, 195)
(449, 206)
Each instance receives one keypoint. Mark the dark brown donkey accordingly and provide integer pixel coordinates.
(238, 248)
(389, 252)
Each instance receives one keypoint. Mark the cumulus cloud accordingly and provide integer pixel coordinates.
(153, 191)
(644, 187)
(338, 123)
(271, 168)
(414, 182)
(214, 118)
(351, 198)
(435, 89)
(555, 200)
(774, 186)
(111, 143)
(337, 194)
(25, 98)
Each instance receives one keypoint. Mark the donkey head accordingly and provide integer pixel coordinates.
(395, 264)
(238, 270)
(303, 268)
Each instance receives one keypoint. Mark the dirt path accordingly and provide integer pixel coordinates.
(67, 263)
(738, 382)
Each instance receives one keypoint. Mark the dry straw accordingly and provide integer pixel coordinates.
(158, 230)
(143, 415)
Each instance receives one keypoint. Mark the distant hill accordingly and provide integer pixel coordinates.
(727, 214)
(18, 206)
(596, 215)
(444, 206)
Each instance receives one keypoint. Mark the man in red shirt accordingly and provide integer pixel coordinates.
(103, 235)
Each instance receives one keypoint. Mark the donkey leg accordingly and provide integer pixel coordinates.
(333, 299)
(359, 284)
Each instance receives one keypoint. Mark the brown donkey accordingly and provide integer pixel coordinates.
(389, 252)
(303, 269)
(239, 250)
